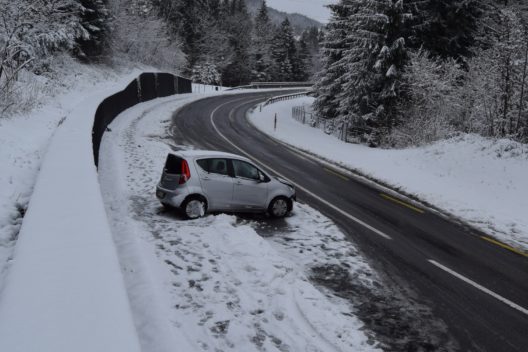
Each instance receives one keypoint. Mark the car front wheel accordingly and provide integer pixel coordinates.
(279, 207)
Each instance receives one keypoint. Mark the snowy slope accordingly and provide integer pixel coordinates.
(65, 290)
(222, 282)
(24, 139)
(481, 181)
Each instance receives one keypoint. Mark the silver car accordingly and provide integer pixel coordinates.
(208, 181)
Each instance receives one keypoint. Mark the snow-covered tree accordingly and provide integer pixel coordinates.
(214, 45)
(284, 53)
(435, 100)
(238, 27)
(374, 63)
(206, 73)
(95, 19)
(445, 28)
(313, 38)
(261, 45)
(152, 44)
(498, 78)
(31, 31)
(304, 61)
(186, 21)
(329, 81)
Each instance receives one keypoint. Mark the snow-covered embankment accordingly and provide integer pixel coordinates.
(64, 290)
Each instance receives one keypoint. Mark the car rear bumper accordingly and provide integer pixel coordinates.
(171, 197)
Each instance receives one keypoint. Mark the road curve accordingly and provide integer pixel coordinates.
(477, 288)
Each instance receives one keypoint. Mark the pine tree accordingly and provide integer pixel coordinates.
(261, 45)
(304, 61)
(95, 19)
(284, 53)
(238, 27)
(364, 59)
(446, 28)
(185, 18)
(334, 44)
(214, 46)
(312, 38)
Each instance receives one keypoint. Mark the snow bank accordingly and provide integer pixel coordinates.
(148, 302)
(24, 137)
(479, 180)
(64, 290)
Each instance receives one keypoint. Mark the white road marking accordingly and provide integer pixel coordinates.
(480, 287)
(328, 204)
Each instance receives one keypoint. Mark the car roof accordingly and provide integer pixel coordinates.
(207, 154)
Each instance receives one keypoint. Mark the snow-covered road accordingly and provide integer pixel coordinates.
(222, 282)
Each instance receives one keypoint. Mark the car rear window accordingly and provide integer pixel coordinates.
(173, 164)
(215, 166)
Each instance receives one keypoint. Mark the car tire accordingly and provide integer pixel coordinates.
(167, 207)
(194, 207)
(279, 207)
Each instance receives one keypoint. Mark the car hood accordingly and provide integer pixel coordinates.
(283, 181)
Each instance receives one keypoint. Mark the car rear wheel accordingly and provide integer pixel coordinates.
(279, 207)
(194, 207)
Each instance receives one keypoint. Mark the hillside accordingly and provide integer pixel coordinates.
(299, 22)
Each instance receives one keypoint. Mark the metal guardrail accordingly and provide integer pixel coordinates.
(281, 84)
(284, 97)
(258, 85)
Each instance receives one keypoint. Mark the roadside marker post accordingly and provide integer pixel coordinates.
(275, 123)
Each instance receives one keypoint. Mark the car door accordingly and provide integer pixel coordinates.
(249, 192)
(216, 183)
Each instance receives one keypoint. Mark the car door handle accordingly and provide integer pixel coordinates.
(205, 178)
(238, 182)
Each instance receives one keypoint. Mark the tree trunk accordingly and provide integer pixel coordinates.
(506, 97)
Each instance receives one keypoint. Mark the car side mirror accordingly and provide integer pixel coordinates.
(261, 177)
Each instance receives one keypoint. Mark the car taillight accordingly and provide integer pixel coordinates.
(185, 172)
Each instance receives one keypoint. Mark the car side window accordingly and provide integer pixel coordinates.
(214, 166)
(245, 170)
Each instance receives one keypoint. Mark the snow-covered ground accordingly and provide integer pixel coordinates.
(24, 138)
(481, 181)
(222, 282)
(64, 286)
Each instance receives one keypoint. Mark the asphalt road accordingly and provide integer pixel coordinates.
(476, 287)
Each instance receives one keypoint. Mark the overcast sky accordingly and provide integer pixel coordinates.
(311, 8)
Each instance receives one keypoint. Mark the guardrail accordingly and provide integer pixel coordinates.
(258, 85)
(281, 84)
(146, 87)
(284, 97)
